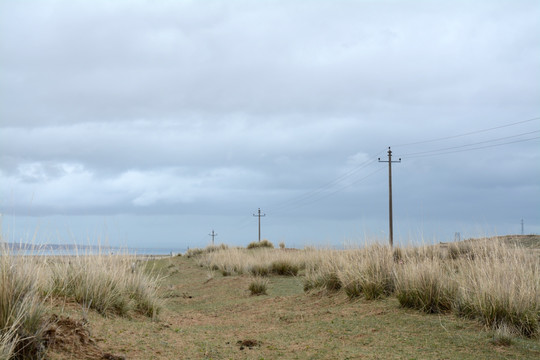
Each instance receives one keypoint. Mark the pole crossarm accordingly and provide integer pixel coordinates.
(390, 220)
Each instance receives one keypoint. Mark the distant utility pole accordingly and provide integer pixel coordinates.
(212, 234)
(522, 232)
(259, 216)
(389, 161)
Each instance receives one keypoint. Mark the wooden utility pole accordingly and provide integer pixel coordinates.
(259, 216)
(522, 228)
(212, 234)
(389, 161)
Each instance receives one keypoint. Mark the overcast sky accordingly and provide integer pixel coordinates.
(150, 123)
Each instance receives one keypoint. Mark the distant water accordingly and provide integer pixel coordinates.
(95, 251)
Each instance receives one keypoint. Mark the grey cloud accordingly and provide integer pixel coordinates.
(209, 108)
(123, 62)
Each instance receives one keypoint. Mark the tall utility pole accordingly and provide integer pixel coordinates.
(259, 216)
(212, 234)
(389, 161)
(522, 232)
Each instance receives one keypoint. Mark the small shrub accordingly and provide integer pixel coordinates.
(503, 336)
(260, 244)
(282, 245)
(325, 280)
(106, 284)
(353, 288)
(259, 270)
(500, 286)
(258, 286)
(460, 249)
(377, 272)
(196, 252)
(284, 267)
(426, 287)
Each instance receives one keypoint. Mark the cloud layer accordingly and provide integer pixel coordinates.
(216, 108)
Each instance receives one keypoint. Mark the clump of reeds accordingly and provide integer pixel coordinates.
(21, 309)
(259, 270)
(359, 272)
(195, 252)
(260, 244)
(490, 281)
(258, 286)
(494, 282)
(263, 262)
(322, 280)
(322, 271)
(373, 275)
(425, 284)
(109, 284)
(458, 250)
(501, 287)
(284, 267)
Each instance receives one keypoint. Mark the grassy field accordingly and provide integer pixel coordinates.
(204, 310)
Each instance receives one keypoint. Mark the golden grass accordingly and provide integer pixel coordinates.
(493, 281)
(259, 261)
(21, 308)
(110, 284)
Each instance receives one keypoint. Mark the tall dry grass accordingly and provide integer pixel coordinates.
(258, 261)
(500, 285)
(110, 284)
(22, 312)
(492, 281)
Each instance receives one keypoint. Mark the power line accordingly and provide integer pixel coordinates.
(468, 133)
(471, 144)
(334, 192)
(475, 148)
(317, 191)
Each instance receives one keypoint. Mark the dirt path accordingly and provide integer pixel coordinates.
(209, 316)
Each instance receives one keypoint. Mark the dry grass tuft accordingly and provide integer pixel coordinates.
(260, 244)
(258, 286)
(109, 284)
(21, 308)
(501, 286)
(492, 281)
(426, 285)
(284, 267)
(262, 262)
(497, 283)
(194, 252)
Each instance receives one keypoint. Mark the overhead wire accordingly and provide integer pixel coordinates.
(470, 144)
(433, 153)
(323, 188)
(298, 205)
(468, 133)
(322, 191)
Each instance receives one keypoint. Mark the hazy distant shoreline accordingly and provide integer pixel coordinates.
(73, 249)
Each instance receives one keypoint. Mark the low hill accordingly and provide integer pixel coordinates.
(527, 241)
